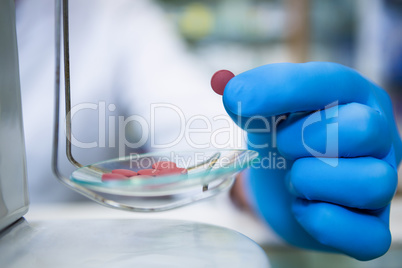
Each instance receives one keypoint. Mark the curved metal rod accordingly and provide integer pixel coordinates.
(84, 191)
(66, 46)
(55, 149)
(225, 184)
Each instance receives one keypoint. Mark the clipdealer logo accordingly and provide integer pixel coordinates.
(196, 131)
(225, 136)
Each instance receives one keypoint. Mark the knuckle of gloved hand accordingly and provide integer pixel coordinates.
(365, 130)
(383, 184)
(296, 178)
(286, 143)
(369, 186)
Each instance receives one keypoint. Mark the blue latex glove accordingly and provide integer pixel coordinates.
(328, 182)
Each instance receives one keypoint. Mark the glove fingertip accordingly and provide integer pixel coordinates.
(359, 235)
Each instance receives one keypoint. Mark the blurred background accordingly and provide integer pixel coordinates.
(244, 34)
(248, 33)
(134, 53)
(365, 35)
(237, 35)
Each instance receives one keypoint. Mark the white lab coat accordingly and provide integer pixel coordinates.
(124, 53)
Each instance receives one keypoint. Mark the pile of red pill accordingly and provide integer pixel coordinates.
(162, 168)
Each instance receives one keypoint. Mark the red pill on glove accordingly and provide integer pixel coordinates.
(220, 79)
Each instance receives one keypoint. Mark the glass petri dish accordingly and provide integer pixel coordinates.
(204, 169)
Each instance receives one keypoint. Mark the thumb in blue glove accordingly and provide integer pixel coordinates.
(337, 153)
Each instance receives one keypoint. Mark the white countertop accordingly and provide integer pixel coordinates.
(217, 211)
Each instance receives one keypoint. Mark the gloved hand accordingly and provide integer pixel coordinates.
(328, 172)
